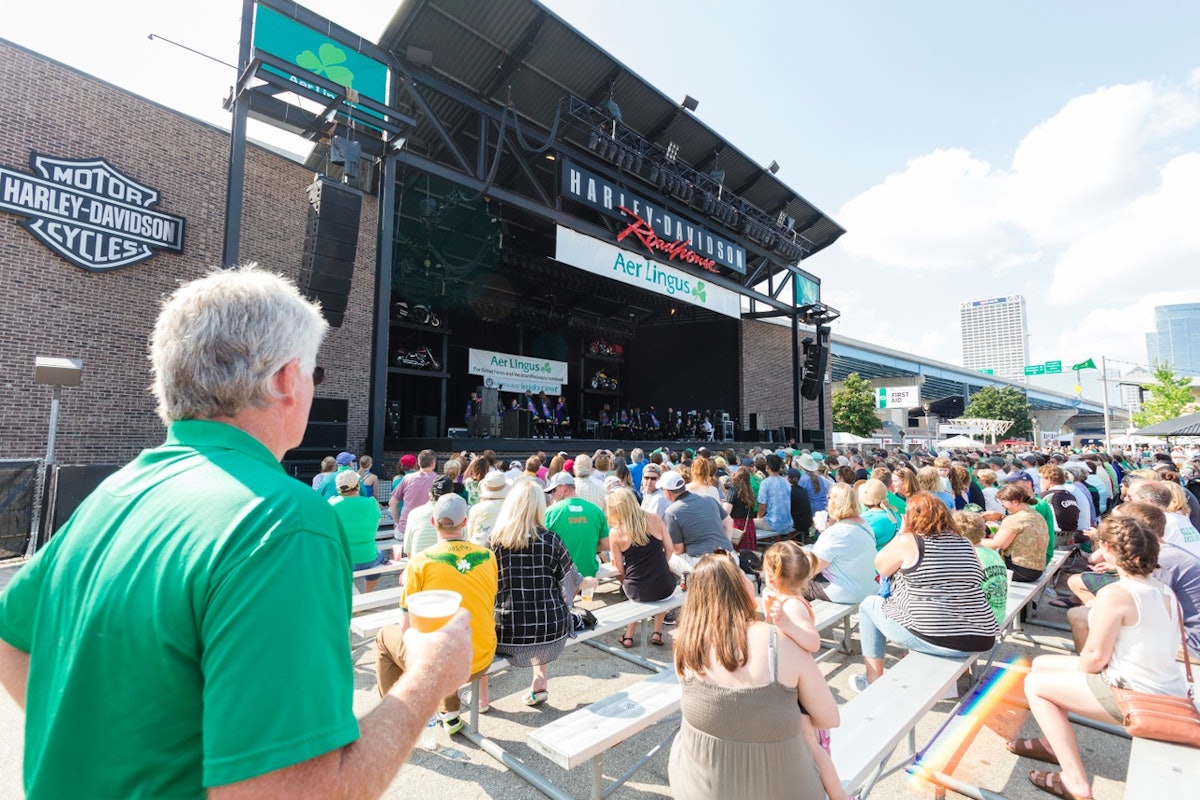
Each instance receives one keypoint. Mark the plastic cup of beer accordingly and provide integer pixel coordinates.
(430, 610)
(587, 592)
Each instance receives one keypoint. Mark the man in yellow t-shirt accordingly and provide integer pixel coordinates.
(459, 566)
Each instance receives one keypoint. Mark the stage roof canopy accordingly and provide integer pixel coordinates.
(485, 48)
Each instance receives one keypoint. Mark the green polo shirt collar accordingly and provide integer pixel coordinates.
(207, 434)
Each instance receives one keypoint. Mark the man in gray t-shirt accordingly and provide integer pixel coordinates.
(698, 524)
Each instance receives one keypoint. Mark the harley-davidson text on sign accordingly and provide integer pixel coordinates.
(642, 217)
(514, 373)
(89, 213)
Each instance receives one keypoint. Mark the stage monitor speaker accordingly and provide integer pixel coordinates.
(330, 246)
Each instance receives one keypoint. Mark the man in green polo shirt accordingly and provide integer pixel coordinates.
(580, 524)
(184, 634)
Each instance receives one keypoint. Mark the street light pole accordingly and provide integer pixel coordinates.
(928, 426)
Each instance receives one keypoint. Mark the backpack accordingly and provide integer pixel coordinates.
(582, 620)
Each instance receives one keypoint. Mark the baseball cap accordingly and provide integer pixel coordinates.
(450, 508)
(346, 479)
(671, 482)
(408, 460)
(1018, 475)
(345, 458)
(441, 487)
(560, 479)
(793, 473)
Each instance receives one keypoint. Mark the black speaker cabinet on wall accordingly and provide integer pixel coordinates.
(330, 246)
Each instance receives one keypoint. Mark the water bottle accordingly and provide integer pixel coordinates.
(428, 740)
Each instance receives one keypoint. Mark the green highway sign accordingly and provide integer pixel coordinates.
(1035, 369)
(1053, 367)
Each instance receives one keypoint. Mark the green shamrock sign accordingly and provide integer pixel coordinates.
(699, 293)
(326, 61)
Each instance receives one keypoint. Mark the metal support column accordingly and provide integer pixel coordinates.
(797, 363)
(236, 176)
(377, 407)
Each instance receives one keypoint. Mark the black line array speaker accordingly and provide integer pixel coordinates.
(816, 356)
(330, 246)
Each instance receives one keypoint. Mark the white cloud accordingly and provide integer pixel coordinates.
(1152, 243)
(938, 213)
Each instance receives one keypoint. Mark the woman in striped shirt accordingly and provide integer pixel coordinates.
(937, 605)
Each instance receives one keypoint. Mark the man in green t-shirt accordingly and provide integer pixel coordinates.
(580, 524)
(359, 518)
(184, 634)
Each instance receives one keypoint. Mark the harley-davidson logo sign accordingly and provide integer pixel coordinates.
(89, 213)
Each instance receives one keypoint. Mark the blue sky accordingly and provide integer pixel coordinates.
(971, 149)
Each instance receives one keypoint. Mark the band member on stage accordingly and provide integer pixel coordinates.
(528, 404)
(544, 416)
(562, 420)
(652, 423)
(472, 416)
(606, 421)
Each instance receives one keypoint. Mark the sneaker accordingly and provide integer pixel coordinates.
(670, 618)
(466, 696)
(452, 722)
(858, 683)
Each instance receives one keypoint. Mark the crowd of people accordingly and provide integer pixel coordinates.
(925, 544)
(145, 641)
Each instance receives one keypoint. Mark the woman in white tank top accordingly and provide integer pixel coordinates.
(1132, 642)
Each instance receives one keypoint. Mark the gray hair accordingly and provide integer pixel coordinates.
(220, 339)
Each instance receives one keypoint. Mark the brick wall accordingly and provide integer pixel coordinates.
(50, 307)
(767, 378)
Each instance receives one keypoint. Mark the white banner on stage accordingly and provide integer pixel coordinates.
(513, 373)
(610, 261)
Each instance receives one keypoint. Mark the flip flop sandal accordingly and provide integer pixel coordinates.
(627, 642)
(1031, 748)
(1052, 782)
(1062, 602)
(656, 638)
(536, 698)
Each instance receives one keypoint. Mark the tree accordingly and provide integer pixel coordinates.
(1008, 403)
(1169, 396)
(854, 407)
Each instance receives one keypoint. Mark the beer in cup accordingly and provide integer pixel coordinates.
(430, 610)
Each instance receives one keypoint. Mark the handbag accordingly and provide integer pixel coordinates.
(1162, 716)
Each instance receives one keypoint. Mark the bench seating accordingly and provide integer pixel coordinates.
(585, 735)
(889, 709)
(376, 599)
(874, 722)
(1160, 769)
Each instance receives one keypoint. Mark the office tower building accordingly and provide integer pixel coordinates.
(994, 336)
(1176, 339)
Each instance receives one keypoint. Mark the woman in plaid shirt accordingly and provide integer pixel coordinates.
(538, 582)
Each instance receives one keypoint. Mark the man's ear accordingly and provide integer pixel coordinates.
(287, 380)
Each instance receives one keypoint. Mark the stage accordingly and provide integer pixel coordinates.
(510, 448)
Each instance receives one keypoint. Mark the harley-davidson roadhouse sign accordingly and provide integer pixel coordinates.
(89, 213)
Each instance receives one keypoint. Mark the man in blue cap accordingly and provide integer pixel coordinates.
(328, 487)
